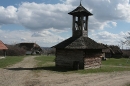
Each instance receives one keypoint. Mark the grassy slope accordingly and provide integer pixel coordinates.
(111, 65)
(10, 60)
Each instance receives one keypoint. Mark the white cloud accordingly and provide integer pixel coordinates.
(109, 1)
(23, 39)
(124, 11)
(43, 38)
(41, 34)
(57, 30)
(109, 38)
(47, 20)
(114, 24)
(41, 16)
(95, 24)
(8, 15)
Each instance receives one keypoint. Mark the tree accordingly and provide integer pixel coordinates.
(125, 41)
(128, 39)
(122, 44)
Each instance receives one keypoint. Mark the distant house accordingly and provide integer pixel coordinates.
(107, 52)
(3, 48)
(126, 53)
(117, 52)
(31, 48)
(79, 51)
(111, 51)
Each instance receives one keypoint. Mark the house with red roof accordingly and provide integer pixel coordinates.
(3, 48)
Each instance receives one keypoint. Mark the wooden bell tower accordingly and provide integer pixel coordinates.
(79, 51)
(80, 21)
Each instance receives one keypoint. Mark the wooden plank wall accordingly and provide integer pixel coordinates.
(67, 57)
(92, 61)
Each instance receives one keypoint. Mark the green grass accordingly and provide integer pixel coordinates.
(10, 60)
(47, 63)
(45, 60)
(117, 62)
(111, 65)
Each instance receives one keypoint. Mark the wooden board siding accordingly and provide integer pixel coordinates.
(66, 58)
(92, 61)
(108, 55)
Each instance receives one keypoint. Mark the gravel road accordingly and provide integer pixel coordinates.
(22, 74)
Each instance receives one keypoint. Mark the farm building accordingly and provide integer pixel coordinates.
(31, 48)
(126, 53)
(117, 52)
(79, 51)
(111, 51)
(3, 48)
(107, 52)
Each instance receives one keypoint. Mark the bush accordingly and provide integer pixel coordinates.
(15, 51)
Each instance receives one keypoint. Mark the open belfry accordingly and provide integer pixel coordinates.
(79, 51)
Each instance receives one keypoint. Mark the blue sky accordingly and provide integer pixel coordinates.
(47, 22)
(6, 3)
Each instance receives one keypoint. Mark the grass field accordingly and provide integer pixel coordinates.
(45, 60)
(47, 63)
(9, 60)
(111, 65)
(117, 62)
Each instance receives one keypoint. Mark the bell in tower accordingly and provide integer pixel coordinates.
(80, 21)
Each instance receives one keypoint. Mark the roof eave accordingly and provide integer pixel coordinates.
(80, 13)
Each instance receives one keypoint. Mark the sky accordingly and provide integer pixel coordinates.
(47, 22)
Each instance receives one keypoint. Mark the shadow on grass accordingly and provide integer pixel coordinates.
(50, 68)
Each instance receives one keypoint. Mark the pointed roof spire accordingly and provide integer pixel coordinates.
(80, 10)
(80, 3)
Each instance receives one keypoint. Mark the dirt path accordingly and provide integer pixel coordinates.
(13, 76)
(22, 74)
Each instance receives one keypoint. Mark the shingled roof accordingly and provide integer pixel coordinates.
(29, 46)
(115, 49)
(2, 46)
(79, 43)
(80, 9)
